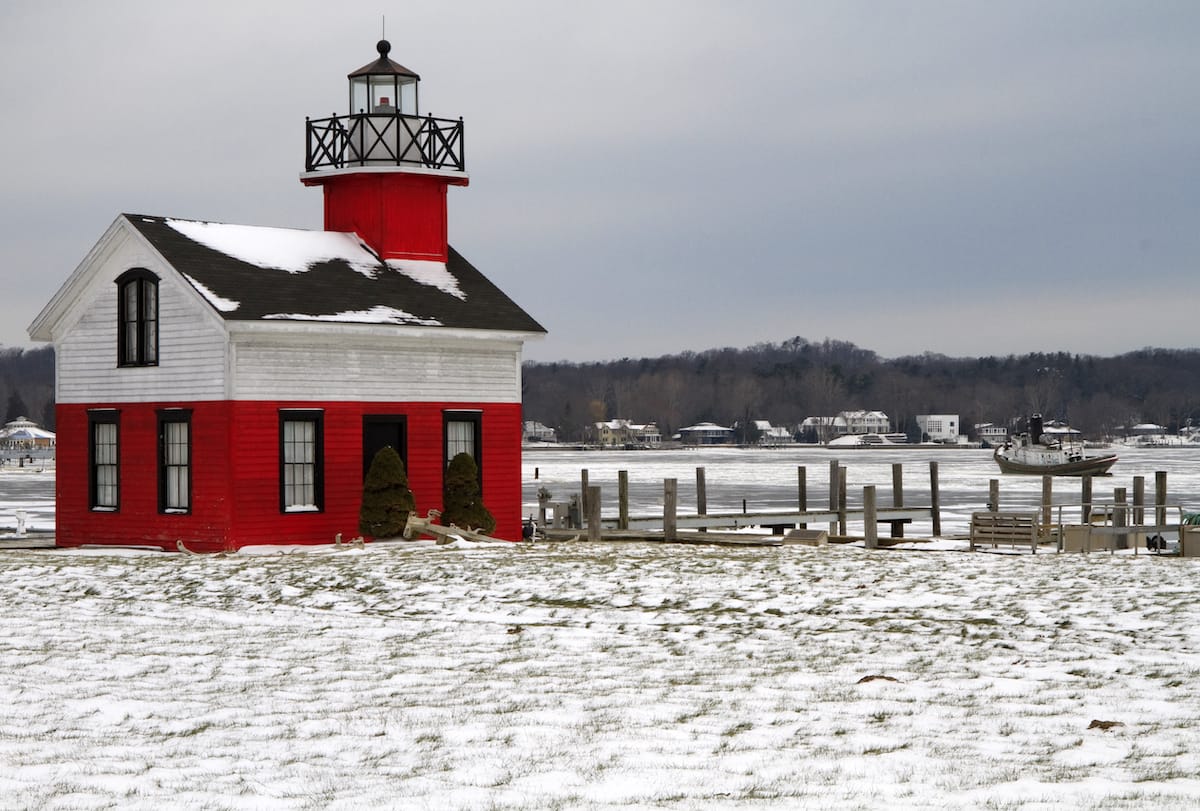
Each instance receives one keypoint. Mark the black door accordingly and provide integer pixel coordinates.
(381, 430)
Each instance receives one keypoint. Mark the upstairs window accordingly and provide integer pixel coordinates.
(137, 318)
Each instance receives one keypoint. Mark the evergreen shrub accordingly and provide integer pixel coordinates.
(462, 502)
(387, 500)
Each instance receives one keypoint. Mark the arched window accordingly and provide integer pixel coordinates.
(137, 318)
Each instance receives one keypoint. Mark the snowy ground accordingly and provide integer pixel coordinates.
(592, 676)
(640, 676)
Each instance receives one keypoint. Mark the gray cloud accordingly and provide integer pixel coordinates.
(963, 178)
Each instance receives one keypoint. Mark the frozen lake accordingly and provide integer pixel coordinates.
(767, 479)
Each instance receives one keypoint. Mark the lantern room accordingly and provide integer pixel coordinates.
(385, 168)
(384, 87)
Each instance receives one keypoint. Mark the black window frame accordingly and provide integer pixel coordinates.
(174, 416)
(317, 418)
(476, 419)
(144, 350)
(97, 418)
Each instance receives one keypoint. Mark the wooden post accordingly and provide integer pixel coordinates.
(842, 500)
(934, 500)
(1120, 516)
(670, 503)
(897, 497)
(593, 513)
(623, 499)
(1047, 503)
(802, 492)
(1085, 497)
(583, 492)
(1139, 500)
(701, 495)
(870, 518)
(1160, 497)
(833, 493)
(993, 504)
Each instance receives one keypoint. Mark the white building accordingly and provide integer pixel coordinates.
(993, 435)
(534, 431)
(25, 434)
(772, 434)
(706, 433)
(866, 422)
(938, 427)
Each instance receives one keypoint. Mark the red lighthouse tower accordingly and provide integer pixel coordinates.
(384, 167)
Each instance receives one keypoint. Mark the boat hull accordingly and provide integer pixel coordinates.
(1088, 466)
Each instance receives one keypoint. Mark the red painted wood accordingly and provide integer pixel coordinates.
(235, 473)
(400, 215)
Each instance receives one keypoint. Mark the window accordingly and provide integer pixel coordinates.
(462, 430)
(137, 318)
(175, 461)
(104, 481)
(300, 461)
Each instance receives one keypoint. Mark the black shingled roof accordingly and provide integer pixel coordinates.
(333, 286)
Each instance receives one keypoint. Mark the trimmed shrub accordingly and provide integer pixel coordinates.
(462, 503)
(386, 501)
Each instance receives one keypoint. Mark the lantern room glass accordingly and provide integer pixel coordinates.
(385, 94)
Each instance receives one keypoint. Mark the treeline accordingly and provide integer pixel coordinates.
(27, 384)
(786, 382)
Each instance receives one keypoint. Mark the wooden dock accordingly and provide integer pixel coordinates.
(581, 514)
(31, 540)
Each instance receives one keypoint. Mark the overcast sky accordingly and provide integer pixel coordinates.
(964, 178)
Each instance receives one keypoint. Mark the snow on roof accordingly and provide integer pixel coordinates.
(249, 273)
(297, 251)
(289, 249)
(375, 315)
(433, 274)
(221, 303)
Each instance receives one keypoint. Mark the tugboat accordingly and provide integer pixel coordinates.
(1038, 454)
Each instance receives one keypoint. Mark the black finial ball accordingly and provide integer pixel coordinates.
(383, 46)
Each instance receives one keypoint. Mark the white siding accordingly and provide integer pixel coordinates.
(317, 367)
(191, 342)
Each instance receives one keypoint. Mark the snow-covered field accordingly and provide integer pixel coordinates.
(409, 675)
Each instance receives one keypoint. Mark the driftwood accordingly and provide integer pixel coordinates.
(417, 526)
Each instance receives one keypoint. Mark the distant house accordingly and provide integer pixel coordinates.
(865, 422)
(993, 435)
(706, 433)
(619, 433)
(772, 434)
(939, 427)
(533, 431)
(25, 434)
(821, 429)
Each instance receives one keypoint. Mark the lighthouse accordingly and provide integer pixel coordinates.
(384, 167)
(222, 385)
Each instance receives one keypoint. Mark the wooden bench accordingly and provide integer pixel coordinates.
(1010, 528)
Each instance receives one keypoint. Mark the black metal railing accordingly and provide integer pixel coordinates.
(387, 139)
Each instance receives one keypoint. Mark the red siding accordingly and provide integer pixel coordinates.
(235, 473)
(399, 215)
